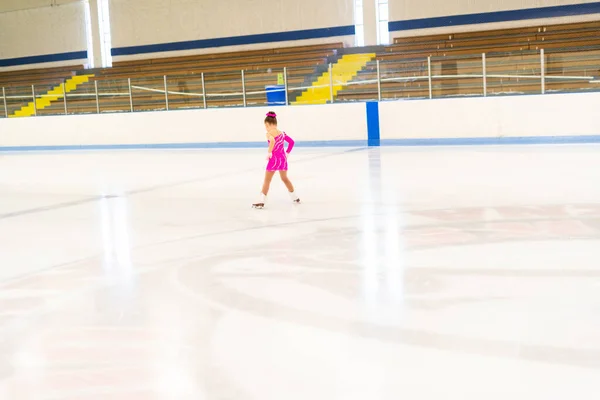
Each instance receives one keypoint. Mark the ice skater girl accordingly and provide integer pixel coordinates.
(277, 159)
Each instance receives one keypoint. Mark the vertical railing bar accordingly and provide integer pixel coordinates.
(166, 93)
(33, 95)
(97, 97)
(130, 95)
(378, 82)
(203, 90)
(285, 84)
(64, 85)
(429, 76)
(331, 83)
(244, 88)
(484, 67)
(543, 71)
(5, 106)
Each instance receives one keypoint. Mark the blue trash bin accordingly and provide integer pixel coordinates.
(275, 95)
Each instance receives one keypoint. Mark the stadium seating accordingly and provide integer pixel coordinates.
(512, 56)
(571, 50)
(222, 77)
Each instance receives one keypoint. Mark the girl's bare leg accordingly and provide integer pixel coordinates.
(267, 182)
(289, 186)
(265, 190)
(286, 181)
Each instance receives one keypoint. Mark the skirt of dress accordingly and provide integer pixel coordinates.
(277, 162)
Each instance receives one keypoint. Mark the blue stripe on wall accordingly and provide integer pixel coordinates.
(476, 141)
(373, 134)
(498, 16)
(174, 146)
(490, 141)
(236, 40)
(74, 55)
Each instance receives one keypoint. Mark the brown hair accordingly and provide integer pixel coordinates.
(271, 118)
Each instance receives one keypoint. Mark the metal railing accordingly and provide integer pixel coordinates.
(381, 80)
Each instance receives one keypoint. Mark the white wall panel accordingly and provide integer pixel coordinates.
(413, 9)
(401, 10)
(14, 5)
(303, 123)
(143, 22)
(510, 116)
(42, 31)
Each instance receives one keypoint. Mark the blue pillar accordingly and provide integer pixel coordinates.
(373, 136)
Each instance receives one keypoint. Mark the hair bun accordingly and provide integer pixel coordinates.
(271, 114)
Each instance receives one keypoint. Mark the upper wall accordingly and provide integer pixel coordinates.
(141, 27)
(39, 33)
(15, 5)
(416, 18)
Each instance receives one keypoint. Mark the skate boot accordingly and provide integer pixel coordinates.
(261, 202)
(294, 197)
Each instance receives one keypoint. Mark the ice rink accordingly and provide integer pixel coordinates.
(426, 273)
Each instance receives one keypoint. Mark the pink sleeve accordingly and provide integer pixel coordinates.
(290, 143)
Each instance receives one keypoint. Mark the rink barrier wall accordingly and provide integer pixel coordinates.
(491, 120)
(538, 119)
(338, 125)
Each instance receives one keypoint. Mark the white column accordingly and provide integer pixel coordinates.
(370, 22)
(94, 38)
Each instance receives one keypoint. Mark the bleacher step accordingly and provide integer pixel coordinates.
(51, 96)
(342, 72)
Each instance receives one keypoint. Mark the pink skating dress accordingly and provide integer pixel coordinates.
(278, 160)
